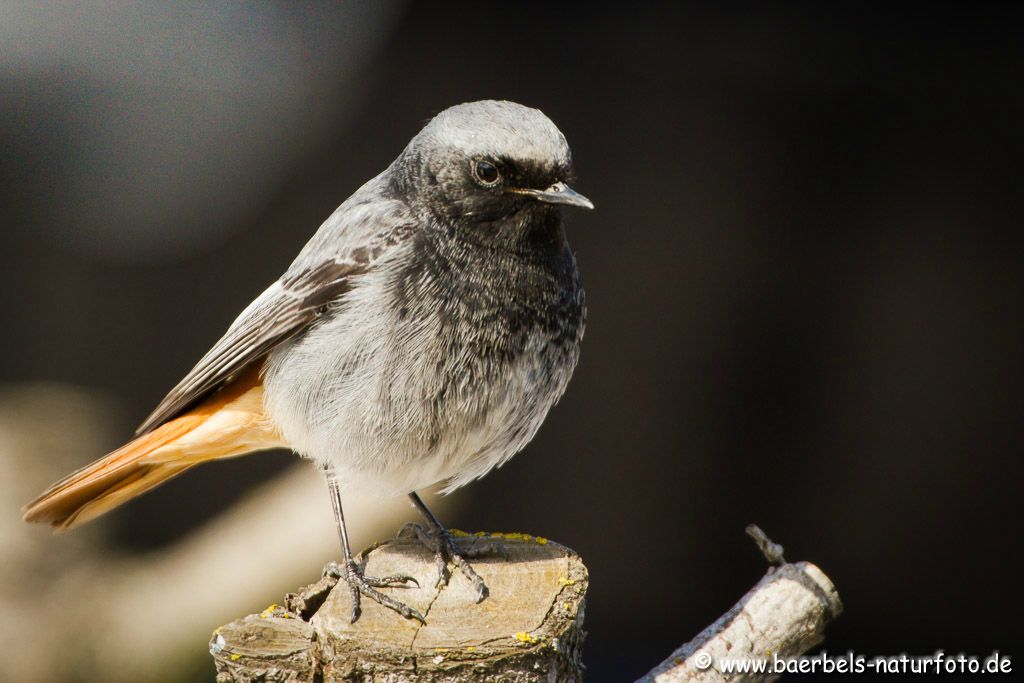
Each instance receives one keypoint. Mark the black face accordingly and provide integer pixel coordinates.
(468, 172)
(486, 189)
(486, 161)
(492, 172)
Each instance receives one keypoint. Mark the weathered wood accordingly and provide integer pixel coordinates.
(272, 646)
(785, 614)
(530, 628)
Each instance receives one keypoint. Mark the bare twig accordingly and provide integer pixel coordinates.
(772, 551)
(785, 614)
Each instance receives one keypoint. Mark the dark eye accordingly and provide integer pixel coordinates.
(486, 172)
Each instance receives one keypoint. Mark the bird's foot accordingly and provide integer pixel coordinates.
(446, 550)
(359, 585)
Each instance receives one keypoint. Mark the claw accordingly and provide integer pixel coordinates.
(360, 584)
(447, 551)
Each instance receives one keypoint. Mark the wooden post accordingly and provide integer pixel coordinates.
(530, 628)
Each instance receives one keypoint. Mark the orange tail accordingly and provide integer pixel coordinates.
(229, 423)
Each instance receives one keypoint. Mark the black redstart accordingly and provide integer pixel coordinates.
(420, 336)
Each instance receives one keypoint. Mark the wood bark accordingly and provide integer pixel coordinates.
(785, 615)
(529, 629)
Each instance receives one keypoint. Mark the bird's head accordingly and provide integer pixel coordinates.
(483, 162)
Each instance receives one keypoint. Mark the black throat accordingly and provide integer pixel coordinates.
(512, 278)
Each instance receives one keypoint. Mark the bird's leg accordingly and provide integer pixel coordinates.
(358, 583)
(440, 540)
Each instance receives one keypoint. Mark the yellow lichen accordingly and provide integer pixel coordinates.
(458, 533)
(270, 610)
(471, 648)
(235, 658)
(524, 637)
(508, 535)
(566, 581)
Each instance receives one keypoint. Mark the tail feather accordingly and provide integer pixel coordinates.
(230, 423)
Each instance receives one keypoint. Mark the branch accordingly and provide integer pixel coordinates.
(530, 628)
(785, 614)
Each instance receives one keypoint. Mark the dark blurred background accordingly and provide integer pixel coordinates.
(804, 274)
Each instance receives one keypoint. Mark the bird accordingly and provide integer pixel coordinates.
(420, 337)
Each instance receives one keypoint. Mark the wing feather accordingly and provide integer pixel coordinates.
(284, 309)
(365, 227)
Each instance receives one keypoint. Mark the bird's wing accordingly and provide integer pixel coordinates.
(346, 246)
(284, 309)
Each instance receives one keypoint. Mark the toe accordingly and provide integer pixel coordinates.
(444, 574)
(334, 569)
(410, 530)
(395, 580)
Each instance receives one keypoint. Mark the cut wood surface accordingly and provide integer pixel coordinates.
(530, 628)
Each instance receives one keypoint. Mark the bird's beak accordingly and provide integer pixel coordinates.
(559, 193)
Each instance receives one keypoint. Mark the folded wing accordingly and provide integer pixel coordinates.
(284, 309)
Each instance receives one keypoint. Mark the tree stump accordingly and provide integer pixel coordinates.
(530, 628)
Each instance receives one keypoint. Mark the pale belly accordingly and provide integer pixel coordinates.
(391, 412)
